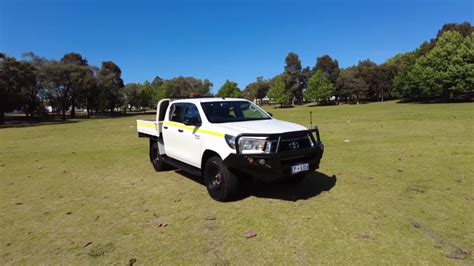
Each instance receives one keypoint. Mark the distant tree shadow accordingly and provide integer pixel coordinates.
(54, 119)
(35, 123)
(314, 184)
(468, 98)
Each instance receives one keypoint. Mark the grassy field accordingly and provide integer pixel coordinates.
(396, 186)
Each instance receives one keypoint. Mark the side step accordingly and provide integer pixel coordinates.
(183, 166)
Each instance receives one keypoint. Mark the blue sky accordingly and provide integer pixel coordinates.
(219, 40)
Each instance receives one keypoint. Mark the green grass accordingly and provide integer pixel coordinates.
(83, 193)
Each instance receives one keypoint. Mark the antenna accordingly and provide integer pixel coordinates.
(311, 119)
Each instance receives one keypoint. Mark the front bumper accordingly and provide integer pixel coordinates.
(274, 166)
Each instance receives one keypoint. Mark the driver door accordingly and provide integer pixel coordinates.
(183, 142)
(192, 140)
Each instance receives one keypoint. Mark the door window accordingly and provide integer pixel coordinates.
(177, 111)
(184, 111)
(191, 113)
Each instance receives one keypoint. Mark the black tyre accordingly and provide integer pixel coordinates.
(155, 158)
(221, 184)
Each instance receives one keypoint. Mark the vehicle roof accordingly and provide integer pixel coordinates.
(209, 99)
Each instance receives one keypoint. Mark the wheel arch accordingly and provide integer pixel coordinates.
(206, 155)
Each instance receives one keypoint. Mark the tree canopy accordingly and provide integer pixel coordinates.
(257, 90)
(229, 89)
(446, 71)
(278, 91)
(320, 88)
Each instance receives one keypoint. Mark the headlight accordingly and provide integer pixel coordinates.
(251, 144)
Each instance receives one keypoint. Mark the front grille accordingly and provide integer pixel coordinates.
(294, 142)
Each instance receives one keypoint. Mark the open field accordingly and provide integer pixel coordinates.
(396, 186)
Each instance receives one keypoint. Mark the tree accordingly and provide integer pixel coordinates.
(146, 96)
(257, 90)
(55, 78)
(157, 82)
(278, 91)
(229, 89)
(76, 71)
(305, 75)
(187, 87)
(16, 80)
(33, 94)
(351, 85)
(328, 66)
(292, 76)
(367, 70)
(110, 83)
(400, 65)
(384, 82)
(89, 93)
(162, 92)
(320, 88)
(74, 58)
(132, 95)
(465, 29)
(446, 71)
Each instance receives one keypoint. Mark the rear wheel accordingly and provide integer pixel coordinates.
(156, 158)
(221, 184)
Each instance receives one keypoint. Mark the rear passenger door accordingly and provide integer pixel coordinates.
(171, 133)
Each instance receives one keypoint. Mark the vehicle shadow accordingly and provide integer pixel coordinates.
(314, 184)
(191, 177)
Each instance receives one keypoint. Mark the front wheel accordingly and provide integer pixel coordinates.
(221, 184)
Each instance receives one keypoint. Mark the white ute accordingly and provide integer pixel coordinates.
(225, 139)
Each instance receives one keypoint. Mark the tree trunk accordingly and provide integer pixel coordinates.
(73, 108)
(2, 117)
(31, 110)
(63, 116)
(88, 112)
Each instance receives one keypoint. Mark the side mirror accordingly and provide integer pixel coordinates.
(271, 115)
(192, 121)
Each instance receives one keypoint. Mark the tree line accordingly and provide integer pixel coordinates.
(34, 83)
(442, 68)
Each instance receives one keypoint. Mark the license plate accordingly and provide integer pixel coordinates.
(299, 168)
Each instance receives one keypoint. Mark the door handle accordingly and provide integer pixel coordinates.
(180, 130)
(165, 127)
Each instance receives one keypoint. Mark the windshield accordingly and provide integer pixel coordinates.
(232, 111)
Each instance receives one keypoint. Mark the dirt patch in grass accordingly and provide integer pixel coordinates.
(417, 189)
(101, 250)
(215, 240)
(451, 250)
